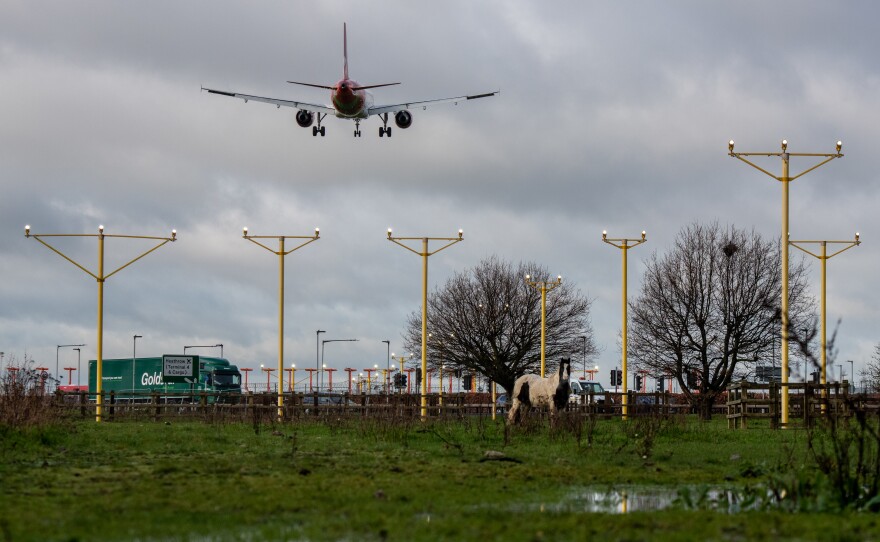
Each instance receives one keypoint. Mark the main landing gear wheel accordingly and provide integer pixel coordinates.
(384, 129)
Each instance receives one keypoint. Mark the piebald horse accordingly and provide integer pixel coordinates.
(533, 391)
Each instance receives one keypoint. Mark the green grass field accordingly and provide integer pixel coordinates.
(363, 479)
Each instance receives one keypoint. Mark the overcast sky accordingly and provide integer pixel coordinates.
(612, 115)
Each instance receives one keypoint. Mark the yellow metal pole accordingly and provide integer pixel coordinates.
(824, 259)
(281, 253)
(99, 361)
(784, 240)
(624, 404)
(543, 286)
(424, 402)
(624, 247)
(424, 254)
(494, 398)
(280, 328)
(100, 277)
(785, 179)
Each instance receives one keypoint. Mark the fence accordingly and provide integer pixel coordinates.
(252, 406)
(807, 401)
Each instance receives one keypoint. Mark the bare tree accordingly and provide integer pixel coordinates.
(871, 372)
(488, 320)
(708, 310)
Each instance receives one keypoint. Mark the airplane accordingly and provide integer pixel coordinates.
(350, 100)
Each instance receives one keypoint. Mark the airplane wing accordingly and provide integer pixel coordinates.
(315, 108)
(379, 110)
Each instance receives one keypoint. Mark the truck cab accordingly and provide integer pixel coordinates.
(585, 392)
(219, 375)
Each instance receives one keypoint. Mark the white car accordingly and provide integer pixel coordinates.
(586, 392)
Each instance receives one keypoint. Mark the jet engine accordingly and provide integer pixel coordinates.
(304, 118)
(403, 119)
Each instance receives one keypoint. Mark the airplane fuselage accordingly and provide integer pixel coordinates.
(348, 102)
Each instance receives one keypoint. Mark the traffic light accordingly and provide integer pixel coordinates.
(418, 377)
(660, 382)
(613, 377)
(619, 378)
(638, 383)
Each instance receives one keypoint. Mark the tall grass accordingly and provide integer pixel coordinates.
(24, 406)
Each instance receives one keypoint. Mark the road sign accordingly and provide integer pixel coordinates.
(180, 369)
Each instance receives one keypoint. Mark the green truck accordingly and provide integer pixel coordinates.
(134, 379)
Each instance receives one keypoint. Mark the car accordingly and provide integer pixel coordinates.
(501, 404)
(586, 392)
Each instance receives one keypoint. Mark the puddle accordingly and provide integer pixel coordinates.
(619, 501)
(650, 499)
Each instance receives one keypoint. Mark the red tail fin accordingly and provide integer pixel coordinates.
(345, 51)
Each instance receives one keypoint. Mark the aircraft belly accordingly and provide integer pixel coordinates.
(356, 109)
(362, 114)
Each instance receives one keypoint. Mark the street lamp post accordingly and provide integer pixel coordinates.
(281, 253)
(584, 340)
(325, 341)
(785, 179)
(544, 287)
(424, 254)
(100, 277)
(852, 374)
(134, 340)
(624, 245)
(317, 356)
(824, 257)
(387, 359)
(59, 347)
(220, 346)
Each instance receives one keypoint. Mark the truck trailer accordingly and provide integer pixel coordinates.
(134, 379)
